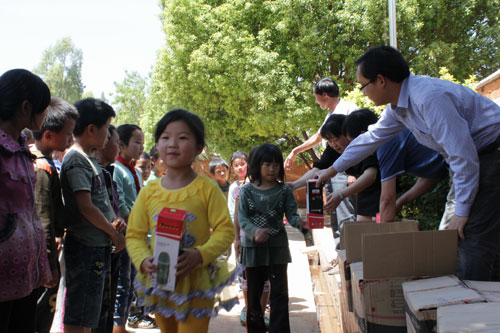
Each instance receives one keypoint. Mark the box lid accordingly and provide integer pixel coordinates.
(431, 283)
(410, 254)
(477, 317)
(354, 231)
(171, 221)
(432, 298)
(488, 289)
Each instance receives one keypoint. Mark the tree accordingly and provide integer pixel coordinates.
(247, 68)
(129, 99)
(61, 69)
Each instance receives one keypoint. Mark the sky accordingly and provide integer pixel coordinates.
(114, 35)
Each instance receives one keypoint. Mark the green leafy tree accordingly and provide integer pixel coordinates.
(61, 69)
(129, 100)
(247, 68)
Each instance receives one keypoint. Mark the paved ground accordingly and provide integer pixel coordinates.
(303, 318)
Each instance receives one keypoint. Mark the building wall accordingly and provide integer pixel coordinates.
(491, 89)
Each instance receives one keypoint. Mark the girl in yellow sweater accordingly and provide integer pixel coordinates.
(180, 137)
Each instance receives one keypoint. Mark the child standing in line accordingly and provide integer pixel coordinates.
(128, 182)
(56, 134)
(24, 267)
(144, 166)
(265, 252)
(158, 167)
(180, 137)
(239, 168)
(89, 232)
(219, 170)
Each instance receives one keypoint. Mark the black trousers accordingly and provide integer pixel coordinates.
(19, 315)
(479, 253)
(279, 320)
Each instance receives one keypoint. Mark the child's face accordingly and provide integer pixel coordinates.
(100, 135)
(177, 145)
(135, 146)
(159, 167)
(63, 139)
(240, 168)
(337, 143)
(110, 151)
(144, 165)
(220, 174)
(269, 172)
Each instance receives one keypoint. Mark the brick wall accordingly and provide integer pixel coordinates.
(491, 89)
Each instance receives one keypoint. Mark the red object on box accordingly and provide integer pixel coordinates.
(171, 222)
(315, 221)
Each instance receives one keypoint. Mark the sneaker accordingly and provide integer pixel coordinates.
(243, 317)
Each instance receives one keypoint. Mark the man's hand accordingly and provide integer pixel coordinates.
(189, 259)
(332, 202)
(237, 247)
(325, 175)
(261, 235)
(303, 223)
(118, 241)
(458, 223)
(59, 243)
(289, 160)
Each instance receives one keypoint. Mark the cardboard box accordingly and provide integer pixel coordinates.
(488, 289)
(314, 199)
(169, 231)
(389, 260)
(351, 247)
(353, 233)
(423, 297)
(478, 317)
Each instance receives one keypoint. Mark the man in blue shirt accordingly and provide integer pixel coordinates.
(453, 120)
(403, 154)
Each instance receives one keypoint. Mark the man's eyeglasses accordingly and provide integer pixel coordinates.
(367, 83)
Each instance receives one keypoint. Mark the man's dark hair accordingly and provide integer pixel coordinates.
(59, 110)
(383, 60)
(217, 162)
(327, 86)
(333, 126)
(92, 112)
(358, 121)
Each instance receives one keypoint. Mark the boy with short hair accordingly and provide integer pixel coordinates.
(219, 169)
(90, 232)
(56, 133)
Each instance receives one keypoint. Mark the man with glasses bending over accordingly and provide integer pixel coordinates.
(457, 122)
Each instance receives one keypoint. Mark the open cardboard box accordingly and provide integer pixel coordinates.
(423, 298)
(391, 259)
(351, 247)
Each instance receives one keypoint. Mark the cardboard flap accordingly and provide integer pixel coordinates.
(409, 254)
(433, 298)
(469, 318)
(354, 231)
(432, 283)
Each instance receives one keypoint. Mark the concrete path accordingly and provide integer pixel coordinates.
(303, 318)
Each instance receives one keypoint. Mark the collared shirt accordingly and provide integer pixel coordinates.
(446, 117)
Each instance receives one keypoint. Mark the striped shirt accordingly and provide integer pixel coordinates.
(446, 117)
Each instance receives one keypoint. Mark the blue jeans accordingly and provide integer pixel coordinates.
(125, 291)
(86, 269)
(479, 253)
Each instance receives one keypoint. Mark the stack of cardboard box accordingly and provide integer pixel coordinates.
(389, 254)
